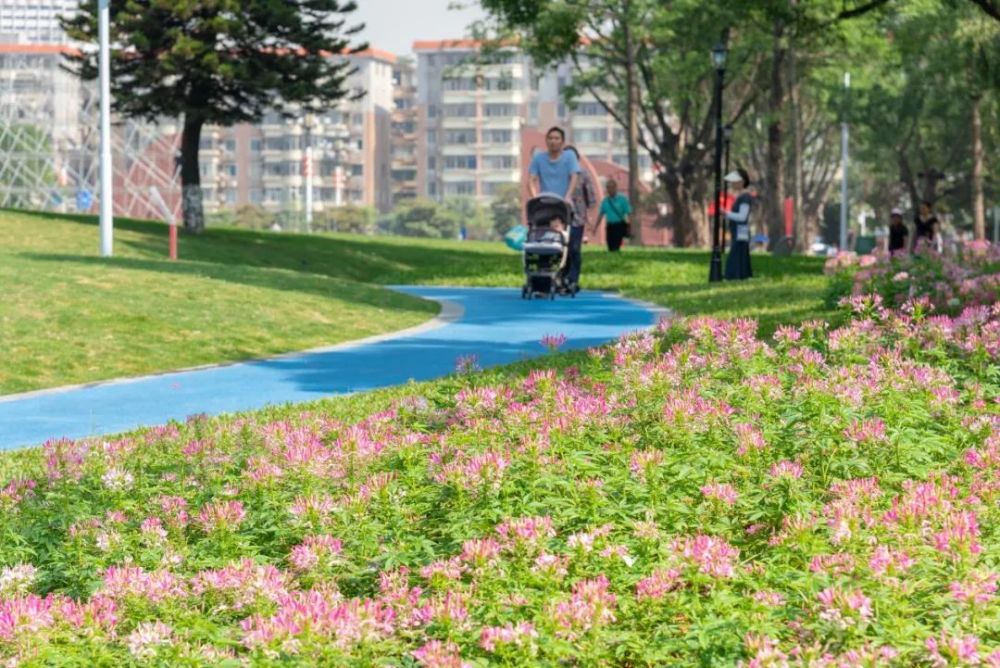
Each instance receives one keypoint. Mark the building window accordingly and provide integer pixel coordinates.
(464, 110)
(460, 162)
(460, 188)
(590, 109)
(431, 162)
(500, 162)
(459, 137)
(255, 145)
(498, 136)
(500, 110)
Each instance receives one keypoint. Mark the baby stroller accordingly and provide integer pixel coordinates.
(546, 249)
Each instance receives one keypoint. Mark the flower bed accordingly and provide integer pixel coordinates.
(970, 277)
(693, 496)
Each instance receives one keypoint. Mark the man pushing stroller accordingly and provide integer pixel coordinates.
(556, 172)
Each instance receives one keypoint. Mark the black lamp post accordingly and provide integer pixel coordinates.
(727, 137)
(719, 62)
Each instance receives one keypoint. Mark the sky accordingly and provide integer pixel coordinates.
(393, 25)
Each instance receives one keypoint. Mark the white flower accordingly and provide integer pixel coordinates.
(17, 579)
(117, 479)
(146, 638)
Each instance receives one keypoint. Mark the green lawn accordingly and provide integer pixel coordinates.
(69, 316)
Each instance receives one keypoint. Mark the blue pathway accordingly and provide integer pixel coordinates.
(493, 323)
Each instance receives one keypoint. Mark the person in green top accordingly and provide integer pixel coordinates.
(616, 210)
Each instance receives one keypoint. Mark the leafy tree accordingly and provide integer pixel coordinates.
(505, 209)
(472, 216)
(350, 218)
(425, 218)
(218, 62)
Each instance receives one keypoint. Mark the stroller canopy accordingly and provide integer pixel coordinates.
(545, 207)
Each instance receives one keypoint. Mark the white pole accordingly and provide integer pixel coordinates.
(338, 186)
(309, 185)
(996, 224)
(107, 222)
(844, 137)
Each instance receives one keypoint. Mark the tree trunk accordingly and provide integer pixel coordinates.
(978, 198)
(632, 101)
(906, 176)
(774, 180)
(801, 229)
(194, 216)
(689, 222)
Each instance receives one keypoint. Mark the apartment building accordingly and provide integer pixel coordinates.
(265, 164)
(470, 111)
(404, 130)
(34, 21)
(472, 108)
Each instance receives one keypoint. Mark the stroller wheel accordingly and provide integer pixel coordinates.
(552, 296)
(524, 293)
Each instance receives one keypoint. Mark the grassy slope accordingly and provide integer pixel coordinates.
(239, 294)
(68, 316)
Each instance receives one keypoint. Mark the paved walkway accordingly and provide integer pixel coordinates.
(493, 323)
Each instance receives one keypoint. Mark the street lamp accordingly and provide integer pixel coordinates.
(727, 137)
(719, 62)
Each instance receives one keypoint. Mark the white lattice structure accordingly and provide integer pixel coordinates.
(49, 142)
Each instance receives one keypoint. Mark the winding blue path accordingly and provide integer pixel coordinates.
(493, 323)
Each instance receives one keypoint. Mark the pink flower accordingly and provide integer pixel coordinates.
(787, 469)
(712, 556)
(591, 605)
(323, 616)
(643, 462)
(720, 492)
(436, 654)
(658, 584)
(960, 534)
(313, 550)
(769, 599)
(526, 531)
(845, 608)
(154, 586)
(551, 565)
(313, 505)
(480, 552)
(244, 583)
(24, 615)
(467, 364)
(449, 569)
(832, 564)
(978, 588)
(508, 634)
(948, 650)
(152, 528)
(221, 516)
(884, 560)
(553, 341)
(749, 438)
(867, 431)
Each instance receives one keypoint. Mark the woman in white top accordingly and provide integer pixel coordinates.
(738, 262)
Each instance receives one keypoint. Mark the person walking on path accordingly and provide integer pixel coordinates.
(616, 211)
(738, 262)
(925, 227)
(583, 197)
(557, 171)
(897, 233)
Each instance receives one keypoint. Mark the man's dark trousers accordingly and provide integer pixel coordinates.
(575, 260)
